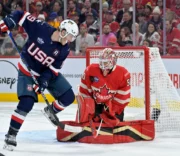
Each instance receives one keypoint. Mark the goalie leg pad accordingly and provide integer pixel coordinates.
(124, 132)
(86, 107)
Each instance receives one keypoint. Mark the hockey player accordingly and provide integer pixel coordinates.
(44, 52)
(109, 85)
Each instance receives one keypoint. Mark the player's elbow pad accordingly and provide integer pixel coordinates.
(8, 20)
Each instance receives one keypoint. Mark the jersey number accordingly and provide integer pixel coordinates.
(31, 18)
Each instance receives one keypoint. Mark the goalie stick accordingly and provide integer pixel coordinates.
(63, 126)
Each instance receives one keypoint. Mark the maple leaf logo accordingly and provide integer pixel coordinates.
(103, 94)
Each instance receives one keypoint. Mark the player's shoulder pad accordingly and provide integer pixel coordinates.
(92, 67)
(122, 69)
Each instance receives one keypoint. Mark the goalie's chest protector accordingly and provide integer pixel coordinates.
(104, 88)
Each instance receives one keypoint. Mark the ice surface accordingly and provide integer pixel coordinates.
(38, 138)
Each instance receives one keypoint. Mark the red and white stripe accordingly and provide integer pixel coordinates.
(23, 18)
(54, 70)
(58, 106)
(82, 85)
(22, 67)
(18, 118)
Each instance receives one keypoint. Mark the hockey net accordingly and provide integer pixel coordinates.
(153, 95)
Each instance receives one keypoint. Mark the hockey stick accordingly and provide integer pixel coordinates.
(60, 124)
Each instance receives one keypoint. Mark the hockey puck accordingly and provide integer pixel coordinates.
(2, 154)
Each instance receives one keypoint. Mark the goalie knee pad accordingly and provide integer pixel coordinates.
(86, 107)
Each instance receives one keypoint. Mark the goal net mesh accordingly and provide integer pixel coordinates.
(164, 103)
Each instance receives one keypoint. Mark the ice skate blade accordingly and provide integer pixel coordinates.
(8, 147)
(44, 113)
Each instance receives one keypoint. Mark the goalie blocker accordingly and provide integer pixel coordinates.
(109, 132)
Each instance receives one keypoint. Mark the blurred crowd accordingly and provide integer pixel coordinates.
(117, 23)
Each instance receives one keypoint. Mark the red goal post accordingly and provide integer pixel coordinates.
(92, 53)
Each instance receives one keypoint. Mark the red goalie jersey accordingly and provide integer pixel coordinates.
(114, 87)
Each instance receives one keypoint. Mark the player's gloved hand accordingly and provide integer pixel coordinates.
(3, 26)
(43, 84)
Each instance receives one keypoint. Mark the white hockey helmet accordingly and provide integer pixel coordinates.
(107, 59)
(71, 28)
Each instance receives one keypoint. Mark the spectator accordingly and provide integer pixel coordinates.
(138, 35)
(83, 48)
(112, 42)
(106, 34)
(75, 17)
(172, 40)
(11, 4)
(127, 20)
(53, 20)
(17, 37)
(105, 8)
(114, 26)
(92, 25)
(41, 17)
(2, 11)
(95, 5)
(139, 8)
(39, 9)
(109, 17)
(116, 6)
(47, 5)
(72, 8)
(176, 8)
(170, 15)
(9, 50)
(142, 23)
(124, 38)
(156, 19)
(147, 43)
(160, 6)
(86, 9)
(87, 4)
(148, 11)
(144, 2)
(83, 37)
(18, 5)
(151, 34)
(58, 8)
(126, 8)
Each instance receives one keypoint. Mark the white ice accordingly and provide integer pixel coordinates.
(37, 137)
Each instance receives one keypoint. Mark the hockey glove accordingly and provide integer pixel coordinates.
(3, 26)
(7, 23)
(43, 84)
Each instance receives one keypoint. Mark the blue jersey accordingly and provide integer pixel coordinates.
(43, 55)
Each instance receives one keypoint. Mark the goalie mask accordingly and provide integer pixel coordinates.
(71, 29)
(107, 60)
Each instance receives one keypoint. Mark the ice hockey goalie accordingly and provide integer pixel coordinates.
(104, 93)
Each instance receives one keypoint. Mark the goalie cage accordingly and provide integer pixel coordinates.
(153, 95)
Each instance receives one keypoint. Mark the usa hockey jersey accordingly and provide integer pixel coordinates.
(43, 55)
(115, 86)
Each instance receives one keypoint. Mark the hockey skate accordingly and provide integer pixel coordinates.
(10, 142)
(50, 116)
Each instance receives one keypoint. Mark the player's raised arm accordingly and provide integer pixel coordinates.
(32, 26)
(13, 19)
